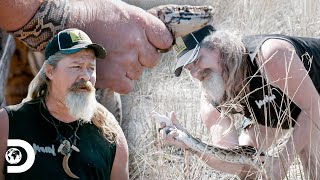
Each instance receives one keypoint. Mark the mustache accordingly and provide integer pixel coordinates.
(205, 72)
(201, 74)
(82, 85)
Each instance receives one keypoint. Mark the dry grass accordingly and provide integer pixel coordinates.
(159, 90)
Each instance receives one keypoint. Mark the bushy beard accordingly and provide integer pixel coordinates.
(214, 87)
(81, 105)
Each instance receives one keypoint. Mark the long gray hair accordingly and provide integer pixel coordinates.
(234, 66)
(102, 118)
(40, 83)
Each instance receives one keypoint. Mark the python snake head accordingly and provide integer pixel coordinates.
(183, 19)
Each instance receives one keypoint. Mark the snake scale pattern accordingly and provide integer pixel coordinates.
(47, 22)
(182, 20)
(239, 154)
(179, 19)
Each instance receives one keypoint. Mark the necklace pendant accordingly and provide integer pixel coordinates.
(75, 148)
(65, 148)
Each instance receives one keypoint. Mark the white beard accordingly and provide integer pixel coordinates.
(214, 87)
(81, 105)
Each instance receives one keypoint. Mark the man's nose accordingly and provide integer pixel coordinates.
(196, 74)
(85, 75)
(193, 70)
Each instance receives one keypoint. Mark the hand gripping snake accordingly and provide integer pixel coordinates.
(181, 20)
(239, 154)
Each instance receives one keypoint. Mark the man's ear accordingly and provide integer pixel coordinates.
(48, 69)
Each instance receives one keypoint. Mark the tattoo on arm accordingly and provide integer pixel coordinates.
(51, 17)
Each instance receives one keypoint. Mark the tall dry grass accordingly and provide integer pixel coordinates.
(159, 90)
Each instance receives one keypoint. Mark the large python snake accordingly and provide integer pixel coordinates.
(181, 20)
(239, 154)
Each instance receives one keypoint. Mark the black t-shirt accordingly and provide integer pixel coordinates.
(268, 104)
(31, 122)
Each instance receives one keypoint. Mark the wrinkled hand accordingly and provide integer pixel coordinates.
(169, 130)
(130, 35)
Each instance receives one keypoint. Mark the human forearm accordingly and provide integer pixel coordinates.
(49, 19)
(115, 17)
(301, 136)
(52, 16)
(120, 166)
(221, 135)
(97, 16)
(308, 123)
(110, 13)
(230, 155)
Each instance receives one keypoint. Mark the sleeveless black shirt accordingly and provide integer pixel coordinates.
(268, 104)
(27, 122)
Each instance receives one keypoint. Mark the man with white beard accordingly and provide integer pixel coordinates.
(264, 80)
(71, 133)
(81, 105)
